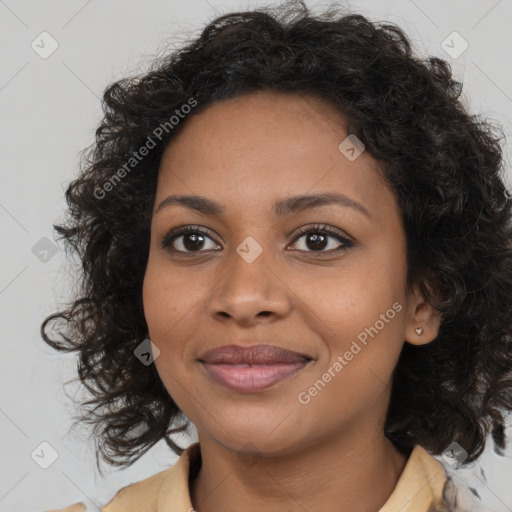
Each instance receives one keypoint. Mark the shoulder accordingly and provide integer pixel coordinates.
(76, 507)
(140, 495)
(154, 493)
(455, 494)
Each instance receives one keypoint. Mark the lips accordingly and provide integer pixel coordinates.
(256, 354)
(249, 369)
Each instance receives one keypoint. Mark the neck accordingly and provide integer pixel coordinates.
(354, 472)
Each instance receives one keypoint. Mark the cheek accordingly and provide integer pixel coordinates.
(168, 297)
(169, 325)
(364, 313)
(161, 313)
(153, 300)
(364, 344)
(173, 301)
(355, 298)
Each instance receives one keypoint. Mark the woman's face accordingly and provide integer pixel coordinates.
(252, 278)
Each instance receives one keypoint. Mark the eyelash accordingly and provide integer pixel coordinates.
(317, 229)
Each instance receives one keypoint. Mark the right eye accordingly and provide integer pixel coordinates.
(193, 239)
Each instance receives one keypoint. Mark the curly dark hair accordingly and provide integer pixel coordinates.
(444, 165)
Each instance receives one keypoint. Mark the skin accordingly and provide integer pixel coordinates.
(266, 450)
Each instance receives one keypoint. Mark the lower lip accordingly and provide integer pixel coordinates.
(252, 378)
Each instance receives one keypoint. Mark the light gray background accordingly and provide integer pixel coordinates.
(49, 111)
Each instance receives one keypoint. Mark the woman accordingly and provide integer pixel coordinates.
(294, 236)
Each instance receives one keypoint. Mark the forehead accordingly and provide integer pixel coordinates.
(266, 145)
(270, 118)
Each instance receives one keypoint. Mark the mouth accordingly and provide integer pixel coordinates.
(254, 368)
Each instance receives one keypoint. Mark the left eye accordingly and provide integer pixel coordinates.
(317, 236)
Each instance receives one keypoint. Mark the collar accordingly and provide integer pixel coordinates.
(419, 488)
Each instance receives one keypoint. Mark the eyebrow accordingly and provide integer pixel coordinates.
(281, 207)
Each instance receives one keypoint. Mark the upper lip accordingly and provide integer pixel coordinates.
(254, 354)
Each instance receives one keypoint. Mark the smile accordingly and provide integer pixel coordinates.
(252, 377)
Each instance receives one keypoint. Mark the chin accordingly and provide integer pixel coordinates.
(253, 441)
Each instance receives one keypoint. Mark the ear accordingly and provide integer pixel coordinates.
(422, 316)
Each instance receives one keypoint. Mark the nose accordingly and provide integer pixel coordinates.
(249, 293)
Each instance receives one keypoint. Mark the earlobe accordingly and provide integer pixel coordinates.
(423, 320)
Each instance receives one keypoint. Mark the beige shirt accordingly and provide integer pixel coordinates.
(419, 488)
